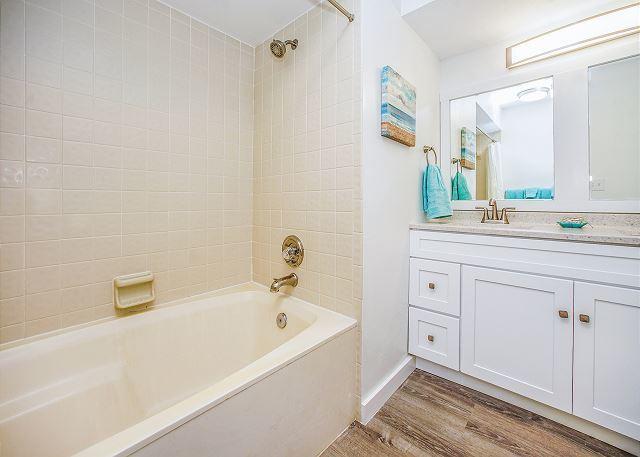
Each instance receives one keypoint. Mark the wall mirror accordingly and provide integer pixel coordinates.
(557, 135)
(614, 130)
(502, 143)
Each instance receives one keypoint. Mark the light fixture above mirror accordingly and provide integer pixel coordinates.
(588, 32)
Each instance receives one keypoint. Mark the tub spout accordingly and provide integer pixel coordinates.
(289, 280)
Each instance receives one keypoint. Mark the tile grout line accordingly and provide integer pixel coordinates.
(24, 158)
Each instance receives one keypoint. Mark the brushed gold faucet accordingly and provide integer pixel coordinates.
(496, 217)
(289, 280)
(494, 209)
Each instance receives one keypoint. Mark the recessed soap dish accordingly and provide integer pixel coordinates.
(133, 290)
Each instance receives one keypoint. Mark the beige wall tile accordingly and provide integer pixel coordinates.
(43, 305)
(12, 311)
(11, 333)
(12, 146)
(11, 256)
(38, 326)
(42, 279)
(43, 253)
(305, 176)
(195, 165)
(126, 137)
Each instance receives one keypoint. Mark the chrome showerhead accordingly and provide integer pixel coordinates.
(279, 48)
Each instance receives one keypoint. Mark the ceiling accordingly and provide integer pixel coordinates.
(452, 27)
(250, 21)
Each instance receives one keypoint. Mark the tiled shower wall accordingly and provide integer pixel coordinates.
(307, 158)
(125, 145)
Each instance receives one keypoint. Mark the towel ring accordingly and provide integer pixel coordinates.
(427, 150)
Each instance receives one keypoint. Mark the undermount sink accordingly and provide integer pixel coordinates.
(497, 224)
(493, 222)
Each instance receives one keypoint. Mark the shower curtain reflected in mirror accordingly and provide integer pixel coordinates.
(495, 185)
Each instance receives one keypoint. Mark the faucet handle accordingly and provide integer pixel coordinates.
(290, 253)
(505, 214)
(485, 213)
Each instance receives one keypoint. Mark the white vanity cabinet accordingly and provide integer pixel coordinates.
(606, 372)
(522, 321)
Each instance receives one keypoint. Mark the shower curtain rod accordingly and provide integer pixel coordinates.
(341, 8)
(485, 134)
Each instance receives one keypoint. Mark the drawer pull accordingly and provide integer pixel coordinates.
(430, 338)
(584, 318)
(432, 286)
(563, 314)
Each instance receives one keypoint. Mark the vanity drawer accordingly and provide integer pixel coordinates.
(434, 337)
(435, 286)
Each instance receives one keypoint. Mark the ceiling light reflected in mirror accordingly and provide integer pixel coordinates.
(533, 94)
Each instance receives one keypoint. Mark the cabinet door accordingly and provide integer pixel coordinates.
(606, 384)
(516, 333)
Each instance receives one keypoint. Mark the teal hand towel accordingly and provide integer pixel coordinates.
(514, 194)
(531, 192)
(435, 197)
(545, 193)
(459, 188)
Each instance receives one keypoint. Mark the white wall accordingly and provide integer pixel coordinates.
(391, 176)
(527, 144)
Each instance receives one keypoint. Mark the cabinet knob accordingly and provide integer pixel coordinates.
(563, 314)
(432, 286)
(584, 318)
(430, 338)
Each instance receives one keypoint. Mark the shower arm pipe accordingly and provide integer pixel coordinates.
(342, 9)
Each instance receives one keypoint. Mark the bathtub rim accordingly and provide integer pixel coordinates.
(328, 326)
(249, 286)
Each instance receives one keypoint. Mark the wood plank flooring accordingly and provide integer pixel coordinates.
(430, 416)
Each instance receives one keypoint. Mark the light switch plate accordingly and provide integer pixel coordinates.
(597, 185)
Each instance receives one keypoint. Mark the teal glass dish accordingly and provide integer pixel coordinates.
(572, 223)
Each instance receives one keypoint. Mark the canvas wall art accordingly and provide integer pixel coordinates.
(398, 108)
(468, 148)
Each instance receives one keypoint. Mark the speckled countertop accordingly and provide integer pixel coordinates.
(604, 229)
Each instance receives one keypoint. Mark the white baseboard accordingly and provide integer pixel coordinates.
(589, 428)
(372, 404)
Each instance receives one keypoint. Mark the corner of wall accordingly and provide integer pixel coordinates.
(391, 175)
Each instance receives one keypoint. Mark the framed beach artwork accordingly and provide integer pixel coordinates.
(398, 108)
(468, 148)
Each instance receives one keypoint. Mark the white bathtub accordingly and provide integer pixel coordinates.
(214, 376)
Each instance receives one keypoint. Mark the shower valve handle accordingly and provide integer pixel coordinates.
(290, 253)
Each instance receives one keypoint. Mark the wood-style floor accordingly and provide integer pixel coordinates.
(430, 416)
